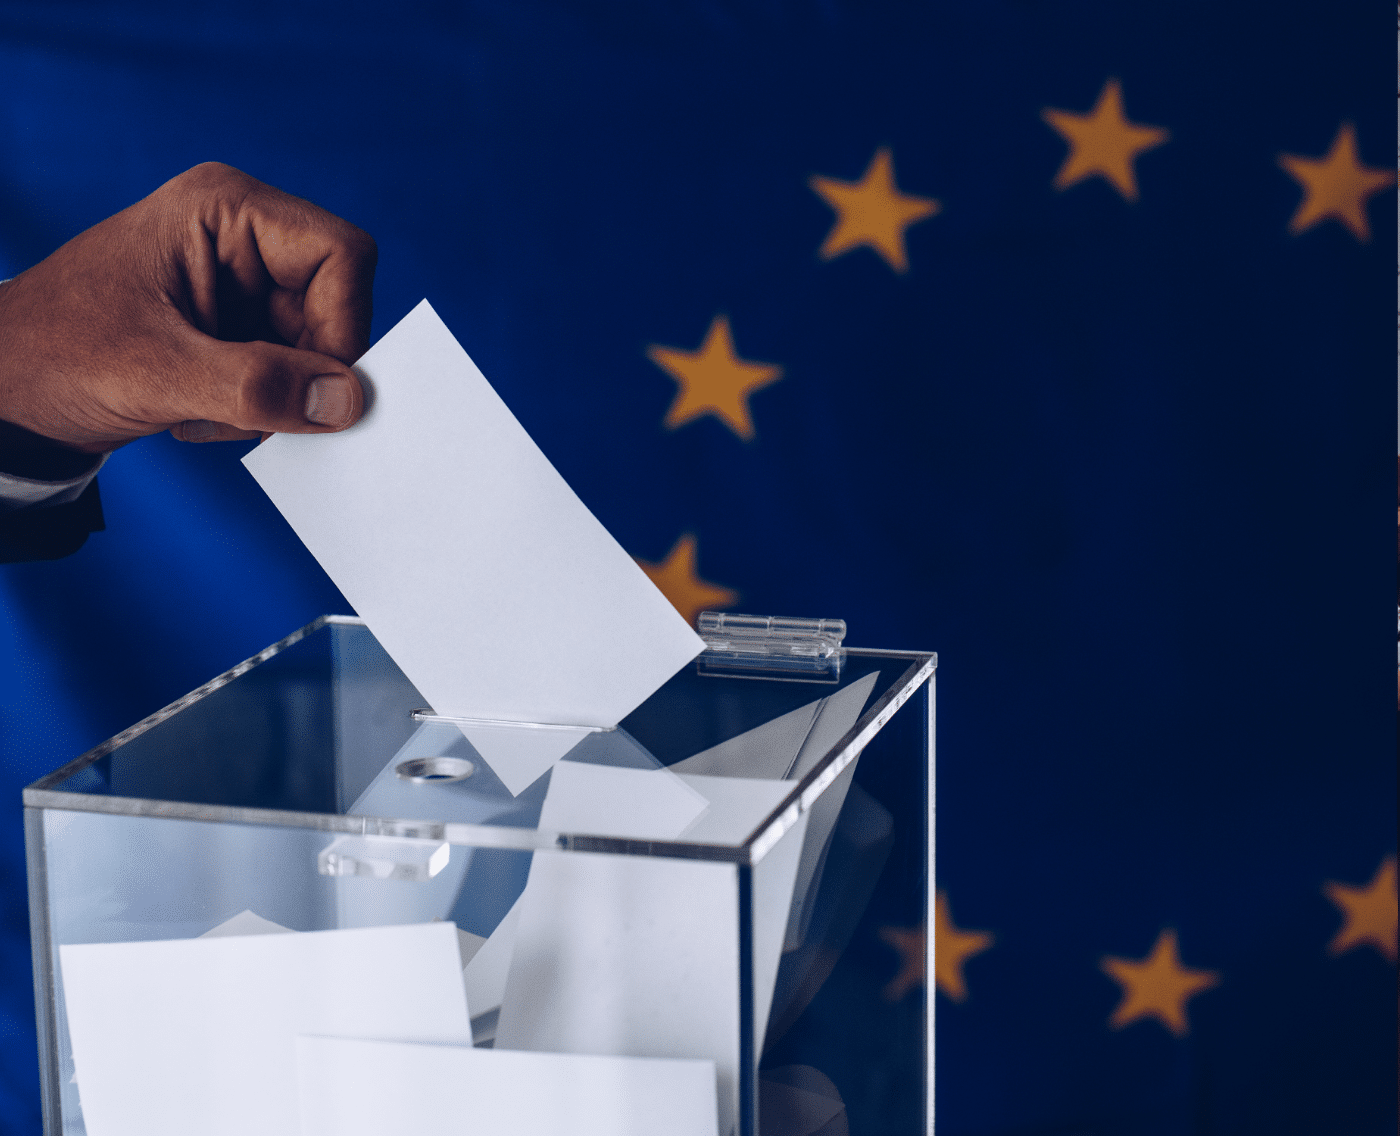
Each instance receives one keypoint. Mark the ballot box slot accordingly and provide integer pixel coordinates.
(425, 714)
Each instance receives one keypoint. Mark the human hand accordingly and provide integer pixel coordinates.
(216, 308)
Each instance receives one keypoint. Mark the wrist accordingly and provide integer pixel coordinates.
(27, 450)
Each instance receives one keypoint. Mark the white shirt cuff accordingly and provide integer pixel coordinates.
(25, 492)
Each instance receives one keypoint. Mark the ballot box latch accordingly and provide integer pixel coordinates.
(780, 647)
(384, 857)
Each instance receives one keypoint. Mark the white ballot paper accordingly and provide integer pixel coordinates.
(246, 922)
(788, 747)
(636, 804)
(486, 971)
(629, 956)
(476, 567)
(367, 1088)
(637, 956)
(199, 1035)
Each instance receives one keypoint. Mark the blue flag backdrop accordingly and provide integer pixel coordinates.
(1053, 336)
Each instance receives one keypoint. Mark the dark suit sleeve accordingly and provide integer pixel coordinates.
(45, 532)
(52, 531)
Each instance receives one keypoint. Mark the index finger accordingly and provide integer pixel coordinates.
(324, 270)
(320, 265)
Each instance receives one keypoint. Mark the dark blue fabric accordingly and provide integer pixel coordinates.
(1126, 466)
(48, 533)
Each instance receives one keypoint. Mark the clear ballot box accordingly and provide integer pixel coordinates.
(661, 916)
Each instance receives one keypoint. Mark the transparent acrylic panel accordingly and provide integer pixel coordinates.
(685, 886)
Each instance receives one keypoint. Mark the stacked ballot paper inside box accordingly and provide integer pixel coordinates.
(526, 987)
(337, 1032)
(614, 974)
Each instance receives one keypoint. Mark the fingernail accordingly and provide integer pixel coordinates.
(199, 430)
(330, 401)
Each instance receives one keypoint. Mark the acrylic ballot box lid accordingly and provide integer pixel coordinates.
(296, 734)
(393, 815)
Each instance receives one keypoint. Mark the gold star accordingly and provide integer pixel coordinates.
(1369, 911)
(1157, 987)
(952, 947)
(1103, 142)
(1336, 186)
(676, 578)
(872, 212)
(713, 380)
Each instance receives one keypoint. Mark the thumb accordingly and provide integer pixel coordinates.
(265, 387)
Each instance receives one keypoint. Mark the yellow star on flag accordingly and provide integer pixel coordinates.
(677, 579)
(1157, 987)
(952, 946)
(1103, 142)
(1336, 186)
(713, 380)
(1369, 910)
(872, 212)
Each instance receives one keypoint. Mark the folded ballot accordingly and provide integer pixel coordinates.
(199, 1035)
(476, 567)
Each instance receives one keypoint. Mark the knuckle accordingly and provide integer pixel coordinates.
(207, 175)
(344, 239)
(258, 388)
(209, 185)
(362, 246)
(222, 172)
